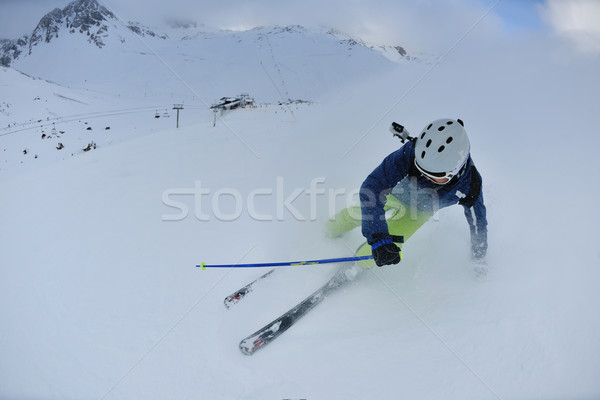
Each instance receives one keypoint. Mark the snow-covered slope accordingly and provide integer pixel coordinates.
(87, 46)
(111, 69)
(43, 122)
(205, 62)
(100, 296)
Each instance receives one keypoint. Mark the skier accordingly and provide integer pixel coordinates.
(429, 172)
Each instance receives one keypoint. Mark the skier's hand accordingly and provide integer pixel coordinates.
(385, 252)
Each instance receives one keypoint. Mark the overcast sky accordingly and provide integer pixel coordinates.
(429, 26)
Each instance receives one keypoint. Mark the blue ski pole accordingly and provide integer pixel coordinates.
(285, 263)
(203, 266)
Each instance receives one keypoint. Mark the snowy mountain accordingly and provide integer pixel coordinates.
(97, 24)
(84, 52)
(85, 46)
(81, 17)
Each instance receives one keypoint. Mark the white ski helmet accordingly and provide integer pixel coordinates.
(442, 148)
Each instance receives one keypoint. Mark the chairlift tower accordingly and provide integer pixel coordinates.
(177, 107)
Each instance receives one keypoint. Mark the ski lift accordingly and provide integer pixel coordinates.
(156, 115)
(53, 129)
(166, 114)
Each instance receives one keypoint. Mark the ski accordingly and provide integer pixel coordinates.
(235, 297)
(271, 331)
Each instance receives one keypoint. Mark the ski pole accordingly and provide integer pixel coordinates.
(203, 266)
(286, 263)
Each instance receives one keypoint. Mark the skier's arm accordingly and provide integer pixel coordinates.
(476, 217)
(375, 188)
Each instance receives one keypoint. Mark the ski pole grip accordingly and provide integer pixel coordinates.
(399, 131)
(397, 238)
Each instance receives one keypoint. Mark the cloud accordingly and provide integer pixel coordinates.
(425, 25)
(577, 20)
(20, 17)
(419, 26)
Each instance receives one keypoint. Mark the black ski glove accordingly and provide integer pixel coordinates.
(385, 252)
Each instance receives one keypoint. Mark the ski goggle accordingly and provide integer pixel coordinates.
(441, 178)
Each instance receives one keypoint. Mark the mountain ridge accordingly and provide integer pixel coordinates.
(97, 23)
(86, 17)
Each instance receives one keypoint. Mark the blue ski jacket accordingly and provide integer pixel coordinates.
(398, 175)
